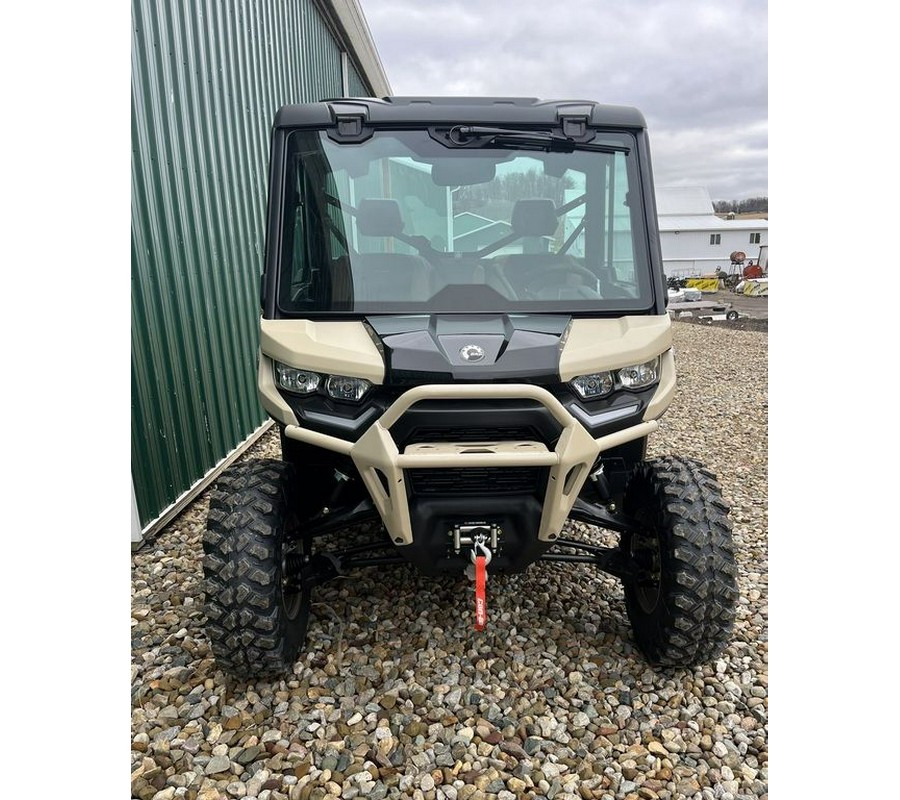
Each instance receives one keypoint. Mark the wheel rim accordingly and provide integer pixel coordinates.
(644, 551)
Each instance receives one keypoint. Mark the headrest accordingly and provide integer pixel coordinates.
(379, 217)
(534, 217)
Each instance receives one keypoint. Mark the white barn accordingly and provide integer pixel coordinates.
(697, 242)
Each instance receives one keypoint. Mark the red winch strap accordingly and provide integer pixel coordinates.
(480, 599)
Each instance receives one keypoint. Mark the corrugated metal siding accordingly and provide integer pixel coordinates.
(207, 78)
(357, 86)
(321, 57)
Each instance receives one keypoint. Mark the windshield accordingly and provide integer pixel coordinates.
(401, 223)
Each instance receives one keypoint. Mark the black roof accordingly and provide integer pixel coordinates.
(462, 110)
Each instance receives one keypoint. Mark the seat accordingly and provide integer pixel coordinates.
(386, 276)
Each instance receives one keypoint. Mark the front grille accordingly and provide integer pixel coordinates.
(451, 421)
(477, 480)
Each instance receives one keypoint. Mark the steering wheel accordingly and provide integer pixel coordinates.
(554, 276)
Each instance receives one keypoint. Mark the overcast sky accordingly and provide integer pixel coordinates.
(697, 70)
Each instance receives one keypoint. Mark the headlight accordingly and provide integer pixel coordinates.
(301, 381)
(597, 384)
(600, 384)
(640, 375)
(342, 388)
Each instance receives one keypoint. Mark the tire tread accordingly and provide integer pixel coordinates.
(701, 593)
(246, 624)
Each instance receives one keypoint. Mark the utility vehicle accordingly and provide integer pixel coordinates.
(464, 339)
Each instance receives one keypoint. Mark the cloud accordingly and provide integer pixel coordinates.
(697, 70)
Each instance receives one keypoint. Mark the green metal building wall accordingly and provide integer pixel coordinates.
(358, 86)
(207, 78)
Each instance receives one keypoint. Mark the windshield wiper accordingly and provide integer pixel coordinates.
(462, 135)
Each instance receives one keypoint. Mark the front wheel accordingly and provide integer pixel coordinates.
(682, 599)
(257, 608)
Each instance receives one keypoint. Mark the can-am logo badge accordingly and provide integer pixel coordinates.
(471, 352)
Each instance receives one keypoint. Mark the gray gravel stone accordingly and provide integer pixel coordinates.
(218, 764)
(532, 745)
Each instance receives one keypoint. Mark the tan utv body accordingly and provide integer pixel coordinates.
(464, 339)
(592, 346)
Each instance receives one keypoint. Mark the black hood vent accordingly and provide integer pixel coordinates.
(479, 347)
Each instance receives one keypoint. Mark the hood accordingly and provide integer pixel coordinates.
(477, 347)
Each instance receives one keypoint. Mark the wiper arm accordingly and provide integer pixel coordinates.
(461, 135)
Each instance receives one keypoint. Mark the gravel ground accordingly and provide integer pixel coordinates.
(396, 695)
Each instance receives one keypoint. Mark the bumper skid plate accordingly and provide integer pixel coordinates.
(382, 465)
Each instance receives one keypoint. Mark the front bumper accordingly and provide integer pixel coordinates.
(383, 467)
